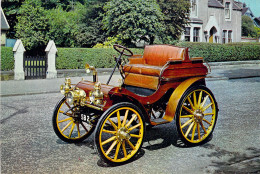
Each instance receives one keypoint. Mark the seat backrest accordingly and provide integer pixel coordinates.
(158, 55)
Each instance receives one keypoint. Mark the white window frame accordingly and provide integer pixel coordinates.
(227, 9)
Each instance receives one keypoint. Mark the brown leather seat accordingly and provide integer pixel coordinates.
(143, 71)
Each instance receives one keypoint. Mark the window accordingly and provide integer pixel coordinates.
(187, 34)
(224, 34)
(194, 7)
(229, 36)
(196, 34)
(227, 10)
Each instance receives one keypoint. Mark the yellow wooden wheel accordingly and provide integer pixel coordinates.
(70, 125)
(119, 133)
(196, 116)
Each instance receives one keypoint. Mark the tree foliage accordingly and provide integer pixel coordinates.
(176, 15)
(133, 20)
(248, 27)
(32, 25)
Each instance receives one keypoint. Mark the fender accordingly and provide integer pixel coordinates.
(176, 96)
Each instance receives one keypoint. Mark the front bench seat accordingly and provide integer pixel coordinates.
(144, 71)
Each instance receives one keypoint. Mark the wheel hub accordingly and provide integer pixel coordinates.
(123, 134)
(198, 116)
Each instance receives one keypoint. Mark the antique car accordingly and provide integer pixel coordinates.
(162, 85)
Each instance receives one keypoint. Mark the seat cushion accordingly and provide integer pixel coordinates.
(143, 81)
(159, 55)
(143, 69)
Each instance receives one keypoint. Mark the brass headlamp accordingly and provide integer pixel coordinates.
(76, 96)
(65, 89)
(96, 96)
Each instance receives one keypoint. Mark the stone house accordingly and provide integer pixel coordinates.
(4, 27)
(214, 21)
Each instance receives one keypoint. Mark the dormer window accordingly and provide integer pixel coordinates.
(227, 10)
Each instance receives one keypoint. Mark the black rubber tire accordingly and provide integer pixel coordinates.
(101, 124)
(57, 129)
(208, 135)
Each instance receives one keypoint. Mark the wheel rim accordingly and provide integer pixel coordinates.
(121, 134)
(70, 126)
(197, 116)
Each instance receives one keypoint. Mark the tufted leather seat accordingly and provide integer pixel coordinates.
(144, 71)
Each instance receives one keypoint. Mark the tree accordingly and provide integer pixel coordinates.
(176, 15)
(133, 20)
(11, 10)
(32, 25)
(63, 25)
(248, 27)
(91, 26)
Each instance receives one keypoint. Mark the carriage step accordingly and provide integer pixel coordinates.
(159, 121)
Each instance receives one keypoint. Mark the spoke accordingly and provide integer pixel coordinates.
(66, 119)
(132, 119)
(118, 119)
(112, 123)
(185, 124)
(204, 101)
(135, 136)
(117, 150)
(131, 145)
(191, 105)
(187, 109)
(108, 140)
(111, 147)
(71, 130)
(200, 96)
(201, 124)
(208, 114)
(124, 149)
(67, 104)
(109, 132)
(189, 129)
(193, 132)
(204, 109)
(84, 126)
(133, 127)
(78, 129)
(207, 121)
(66, 126)
(198, 129)
(194, 99)
(125, 117)
(186, 116)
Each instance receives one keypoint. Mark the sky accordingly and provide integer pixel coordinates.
(254, 6)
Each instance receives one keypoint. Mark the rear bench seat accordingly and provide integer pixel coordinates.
(144, 71)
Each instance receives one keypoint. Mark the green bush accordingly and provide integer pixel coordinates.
(212, 52)
(75, 58)
(7, 58)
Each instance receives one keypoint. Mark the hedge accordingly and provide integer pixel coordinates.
(7, 58)
(223, 52)
(75, 58)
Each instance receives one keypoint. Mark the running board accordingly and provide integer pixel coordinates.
(158, 121)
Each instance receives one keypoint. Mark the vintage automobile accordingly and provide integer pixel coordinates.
(157, 87)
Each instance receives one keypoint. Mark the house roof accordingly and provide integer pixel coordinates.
(236, 6)
(196, 20)
(244, 10)
(215, 3)
(4, 23)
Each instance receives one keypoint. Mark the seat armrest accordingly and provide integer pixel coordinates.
(196, 58)
(136, 59)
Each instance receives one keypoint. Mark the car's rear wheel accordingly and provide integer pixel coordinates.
(119, 133)
(196, 115)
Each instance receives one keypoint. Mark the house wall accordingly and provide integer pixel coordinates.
(3, 38)
(212, 16)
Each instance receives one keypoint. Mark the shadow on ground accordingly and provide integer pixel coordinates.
(234, 162)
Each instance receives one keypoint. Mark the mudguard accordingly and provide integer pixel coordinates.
(176, 96)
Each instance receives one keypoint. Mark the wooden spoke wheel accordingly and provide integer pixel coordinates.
(69, 126)
(119, 133)
(196, 115)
